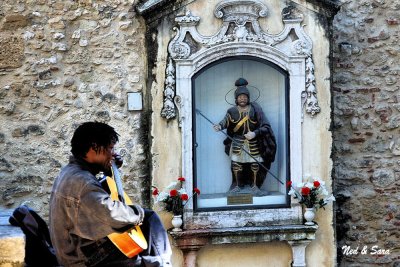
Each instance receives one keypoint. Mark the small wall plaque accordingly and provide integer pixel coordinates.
(135, 101)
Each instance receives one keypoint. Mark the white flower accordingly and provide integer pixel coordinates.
(309, 185)
(324, 192)
(172, 185)
(292, 192)
(330, 199)
(162, 196)
(182, 191)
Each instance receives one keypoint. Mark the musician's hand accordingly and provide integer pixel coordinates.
(217, 127)
(118, 160)
(250, 135)
(139, 211)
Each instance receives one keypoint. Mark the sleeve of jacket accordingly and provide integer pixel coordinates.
(99, 215)
(224, 123)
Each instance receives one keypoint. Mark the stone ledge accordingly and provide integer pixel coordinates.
(188, 238)
(297, 236)
(12, 242)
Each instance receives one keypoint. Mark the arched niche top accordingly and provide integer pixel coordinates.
(240, 35)
(292, 65)
(203, 66)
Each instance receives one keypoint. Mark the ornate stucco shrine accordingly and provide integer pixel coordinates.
(202, 48)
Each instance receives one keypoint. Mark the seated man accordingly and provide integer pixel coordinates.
(82, 213)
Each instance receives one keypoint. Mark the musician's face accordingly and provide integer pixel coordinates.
(101, 156)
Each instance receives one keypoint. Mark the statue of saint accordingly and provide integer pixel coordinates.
(253, 147)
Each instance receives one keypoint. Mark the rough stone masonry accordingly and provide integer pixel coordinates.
(366, 117)
(63, 63)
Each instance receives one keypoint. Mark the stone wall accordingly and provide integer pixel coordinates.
(366, 132)
(63, 63)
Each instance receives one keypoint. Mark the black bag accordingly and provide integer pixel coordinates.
(38, 248)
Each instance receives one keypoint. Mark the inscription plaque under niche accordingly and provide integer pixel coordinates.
(240, 199)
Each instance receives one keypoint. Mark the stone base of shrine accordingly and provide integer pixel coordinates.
(297, 236)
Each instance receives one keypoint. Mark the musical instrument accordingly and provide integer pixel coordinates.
(131, 242)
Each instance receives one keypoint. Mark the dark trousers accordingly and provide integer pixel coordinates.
(158, 253)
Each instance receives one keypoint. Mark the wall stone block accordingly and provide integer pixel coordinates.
(56, 23)
(5, 165)
(383, 178)
(393, 123)
(392, 21)
(69, 82)
(373, 211)
(59, 47)
(394, 147)
(13, 22)
(11, 51)
(79, 56)
(7, 108)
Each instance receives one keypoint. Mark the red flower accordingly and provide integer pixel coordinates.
(316, 184)
(289, 184)
(184, 197)
(196, 190)
(155, 191)
(173, 193)
(182, 179)
(305, 191)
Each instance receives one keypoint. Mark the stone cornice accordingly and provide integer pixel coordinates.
(332, 5)
(148, 8)
(152, 10)
(150, 5)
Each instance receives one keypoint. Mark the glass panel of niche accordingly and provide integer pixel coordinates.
(213, 94)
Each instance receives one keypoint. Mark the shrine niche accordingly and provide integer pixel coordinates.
(279, 65)
(202, 49)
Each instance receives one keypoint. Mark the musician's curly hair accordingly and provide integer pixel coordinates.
(96, 135)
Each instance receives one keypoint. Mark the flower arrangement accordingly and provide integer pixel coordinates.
(312, 194)
(174, 198)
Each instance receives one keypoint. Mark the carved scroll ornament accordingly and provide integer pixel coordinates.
(240, 25)
(168, 110)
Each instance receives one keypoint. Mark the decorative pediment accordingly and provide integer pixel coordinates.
(241, 26)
